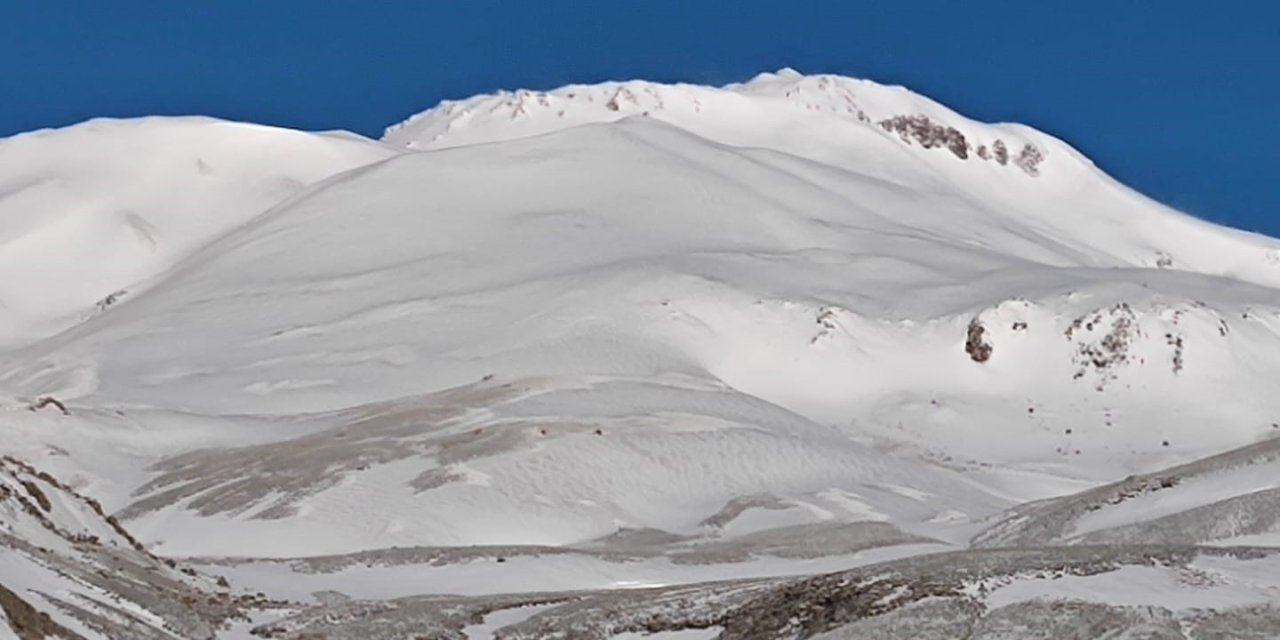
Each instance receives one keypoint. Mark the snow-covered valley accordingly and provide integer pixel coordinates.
(623, 359)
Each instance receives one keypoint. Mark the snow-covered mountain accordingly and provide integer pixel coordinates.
(623, 335)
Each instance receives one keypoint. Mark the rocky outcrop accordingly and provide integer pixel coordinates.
(976, 344)
(928, 134)
(934, 135)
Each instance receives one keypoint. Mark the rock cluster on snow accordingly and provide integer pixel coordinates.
(976, 344)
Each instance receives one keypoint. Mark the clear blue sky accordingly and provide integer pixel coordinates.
(1175, 98)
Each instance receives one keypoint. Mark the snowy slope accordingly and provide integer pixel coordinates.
(832, 301)
(624, 334)
(883, 132)
(1226, 499)
(90, 212)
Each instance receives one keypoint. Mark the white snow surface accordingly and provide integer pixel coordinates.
(98, 208)
(656, 299)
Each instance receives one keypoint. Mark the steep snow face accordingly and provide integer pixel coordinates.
(89, 212)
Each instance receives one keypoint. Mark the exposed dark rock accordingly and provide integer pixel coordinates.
(928, 134)
(975, 344)
(27, 622)
(1029, 159)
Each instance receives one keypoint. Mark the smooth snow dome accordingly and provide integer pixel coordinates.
(90, 212)
(720, 332)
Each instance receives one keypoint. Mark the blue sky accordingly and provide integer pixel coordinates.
(1175, 98)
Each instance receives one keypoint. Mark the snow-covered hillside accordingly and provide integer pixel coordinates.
(882, 132)
(90, 212)
(624, 335)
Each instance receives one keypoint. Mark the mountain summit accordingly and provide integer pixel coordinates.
(783, 111)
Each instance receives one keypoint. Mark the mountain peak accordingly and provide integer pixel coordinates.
(808, 111)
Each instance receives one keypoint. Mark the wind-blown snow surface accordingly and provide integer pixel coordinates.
(619, 334)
